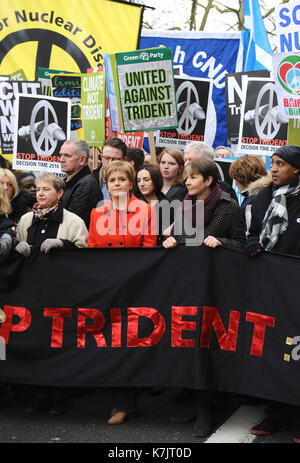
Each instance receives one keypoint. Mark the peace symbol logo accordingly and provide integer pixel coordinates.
(45, 139)
(289, 74)
(46, 40)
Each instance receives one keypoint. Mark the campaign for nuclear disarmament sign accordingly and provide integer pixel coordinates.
(42, 125)
(8, 93)
(235, 85)
(194, 108)
(64, 35)
(203, 55)
(263, 127)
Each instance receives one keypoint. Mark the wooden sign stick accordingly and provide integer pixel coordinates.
(152, 147)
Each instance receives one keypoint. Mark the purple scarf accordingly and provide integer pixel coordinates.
(209, 204)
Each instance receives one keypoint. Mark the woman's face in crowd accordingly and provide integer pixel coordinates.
(118, 183)
(168, 167)
(144, 182)
(8, 186)
(197, 186)
(46, 195)
(28, 183)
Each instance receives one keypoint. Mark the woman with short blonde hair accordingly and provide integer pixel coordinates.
(122, 166)
(122, 222)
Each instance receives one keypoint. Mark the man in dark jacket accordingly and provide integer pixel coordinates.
(82, 190)
(275, 226)
(275, 223)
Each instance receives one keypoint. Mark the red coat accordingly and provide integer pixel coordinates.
(134, 227)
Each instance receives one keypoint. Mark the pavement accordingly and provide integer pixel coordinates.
(86, 423)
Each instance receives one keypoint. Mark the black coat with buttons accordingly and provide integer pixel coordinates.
(47, 227)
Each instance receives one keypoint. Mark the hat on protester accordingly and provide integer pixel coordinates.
(290, 154)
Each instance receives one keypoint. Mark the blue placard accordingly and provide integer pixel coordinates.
(203, 55)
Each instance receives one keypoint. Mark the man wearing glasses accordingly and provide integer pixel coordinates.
(113, 149)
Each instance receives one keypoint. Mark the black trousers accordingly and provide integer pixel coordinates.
(124, 399)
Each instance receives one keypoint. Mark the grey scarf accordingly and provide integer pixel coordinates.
(276, 220)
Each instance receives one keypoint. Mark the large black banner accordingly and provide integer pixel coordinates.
(192, 317)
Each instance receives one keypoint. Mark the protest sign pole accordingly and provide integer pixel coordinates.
(152, 147)
(93, 153)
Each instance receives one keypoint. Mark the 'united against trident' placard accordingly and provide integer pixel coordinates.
(145, 89)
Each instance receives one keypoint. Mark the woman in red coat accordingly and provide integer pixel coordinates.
(124, 221)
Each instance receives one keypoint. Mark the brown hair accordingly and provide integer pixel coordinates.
(137, 156)
(57, 182)
(247, 169)
(178, 156)
(116, 142)
(155, 176)
(204, 166)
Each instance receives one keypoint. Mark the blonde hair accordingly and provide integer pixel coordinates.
(178, 156)
(8, 173)
(5, 207)
(123, 166)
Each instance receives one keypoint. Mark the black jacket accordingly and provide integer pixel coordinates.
(177, 192)
(21, 204)
(289, 241)
(82, 194)
(42, 229)
(226, 224)
(6, 226)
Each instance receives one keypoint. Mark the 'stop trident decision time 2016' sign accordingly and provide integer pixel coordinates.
(144, 84)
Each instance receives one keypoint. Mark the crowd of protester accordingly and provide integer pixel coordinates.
(180, 198)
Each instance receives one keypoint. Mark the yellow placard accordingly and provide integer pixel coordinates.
(71, 35)
(294, 132)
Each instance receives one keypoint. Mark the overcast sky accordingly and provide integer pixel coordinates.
(175, 13)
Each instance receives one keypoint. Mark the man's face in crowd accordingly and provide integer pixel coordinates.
(69, 159)
(109, 154)
(190, 156)
(282, 172)
(222, 153)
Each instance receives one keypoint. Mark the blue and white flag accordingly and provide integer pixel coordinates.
(257, 48)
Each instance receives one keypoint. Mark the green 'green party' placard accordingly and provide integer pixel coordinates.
(145, 89)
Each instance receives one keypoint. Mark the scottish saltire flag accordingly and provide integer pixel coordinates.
(257, 49)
